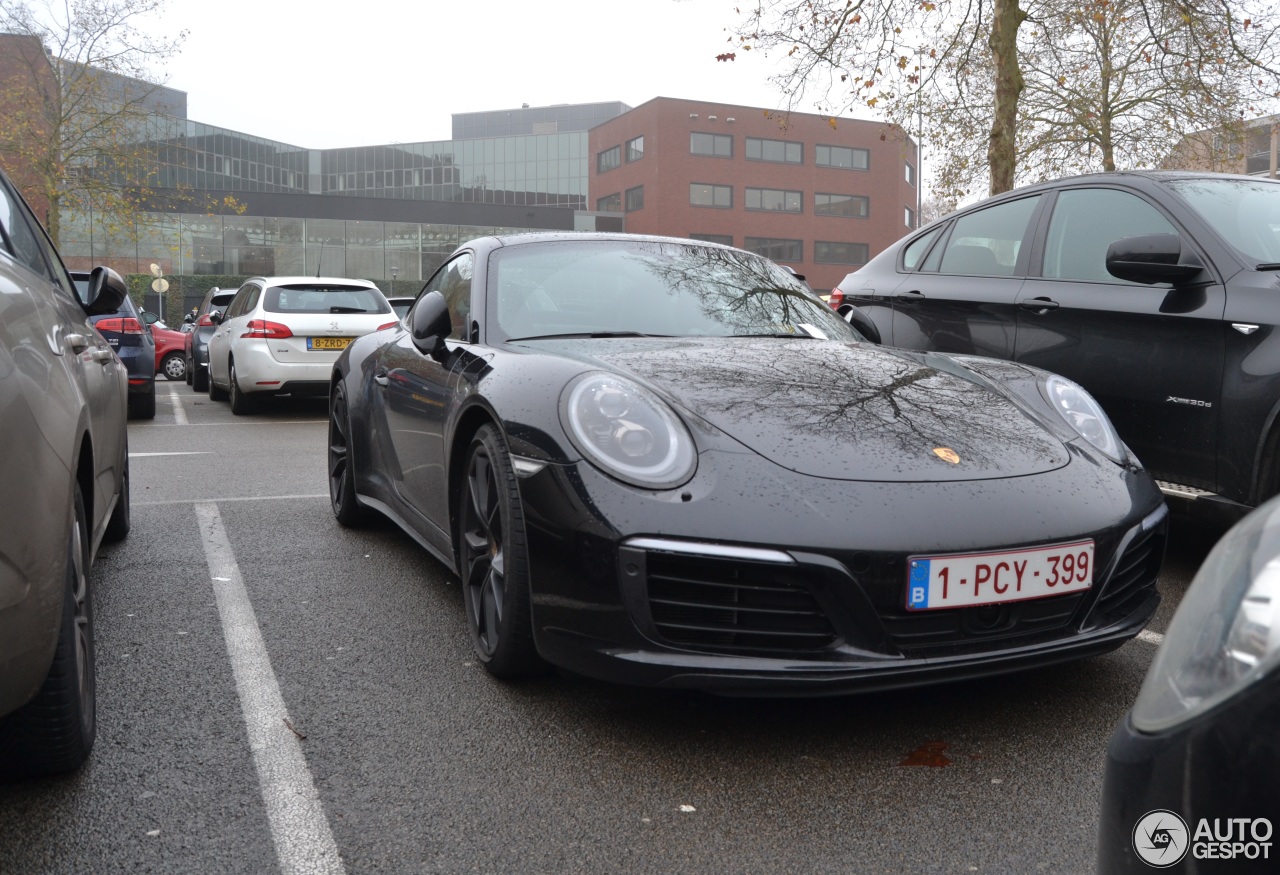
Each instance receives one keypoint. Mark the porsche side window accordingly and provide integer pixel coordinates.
(1085, 222)
(19, 239)
(453, 280)
(987, 242)
(916, 249)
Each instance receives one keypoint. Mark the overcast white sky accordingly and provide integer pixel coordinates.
(326, 74)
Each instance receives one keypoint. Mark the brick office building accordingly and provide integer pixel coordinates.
(820, 197)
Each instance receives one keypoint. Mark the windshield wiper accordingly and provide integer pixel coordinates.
(1268, 265)
(799, 335)
(587, 334)
(340, 309)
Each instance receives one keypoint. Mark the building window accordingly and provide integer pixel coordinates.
(609, 159)
(726, 239)
(778, 250)
(911, 175)
(842, 157)
(611, 203)
(825, 252)
(781, 151)
(635, 198)
(847, 205)
(910, 217)
(702, 194)
(715, 145)
(635, 149)
(774, 199)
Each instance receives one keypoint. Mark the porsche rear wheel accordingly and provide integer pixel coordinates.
(495, 561)
(342, 479)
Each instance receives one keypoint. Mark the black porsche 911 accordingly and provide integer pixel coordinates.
(666, 462)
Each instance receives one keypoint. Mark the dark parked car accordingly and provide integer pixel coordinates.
(400, 305)
(65, 469)
(1156, 291)
(1193, 771)
(663, 462)
(196, 345)
(129, 334)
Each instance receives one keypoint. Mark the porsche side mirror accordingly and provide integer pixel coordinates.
(430, 323)
(863, 324)
(1152, 258)
(106, 292)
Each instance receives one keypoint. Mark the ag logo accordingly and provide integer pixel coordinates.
(1161, 838)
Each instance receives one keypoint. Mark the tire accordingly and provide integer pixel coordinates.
(241, 404)
(143, 405)
(118, 525)
(215, 393)
(342, 480)
(174, 366)
(54, 732)
(186, 366)
(495, 561)
(199, 378)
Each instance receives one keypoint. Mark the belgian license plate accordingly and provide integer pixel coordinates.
(959, 580)
(328, 342)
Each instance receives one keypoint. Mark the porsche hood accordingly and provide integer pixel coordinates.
(836, 410)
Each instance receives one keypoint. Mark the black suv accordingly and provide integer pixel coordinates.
(1159, 292)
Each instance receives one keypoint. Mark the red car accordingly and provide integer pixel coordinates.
(170, 353)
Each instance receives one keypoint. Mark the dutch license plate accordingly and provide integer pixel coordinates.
(328, 342)
(959, 580)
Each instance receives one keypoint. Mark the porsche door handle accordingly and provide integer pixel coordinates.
(913, 295)
(1039, 305)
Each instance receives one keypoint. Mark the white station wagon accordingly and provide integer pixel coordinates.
(281, 335)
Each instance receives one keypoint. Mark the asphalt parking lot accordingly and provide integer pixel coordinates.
(279, 693)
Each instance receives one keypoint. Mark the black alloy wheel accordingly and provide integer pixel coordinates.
(495, 562)
(199, 377)
(54, 732)
(186, 367)
(342, 480)
(241, 403)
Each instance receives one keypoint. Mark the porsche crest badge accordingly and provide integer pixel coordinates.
(947, 454)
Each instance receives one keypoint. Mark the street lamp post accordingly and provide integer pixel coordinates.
(394, 272)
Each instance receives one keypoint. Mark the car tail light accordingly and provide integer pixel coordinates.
(836, 298)
(267, 330)
(205, 321)
(120, 325)
(388, 325)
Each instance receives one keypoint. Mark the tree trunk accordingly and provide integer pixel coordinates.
(1002, 148)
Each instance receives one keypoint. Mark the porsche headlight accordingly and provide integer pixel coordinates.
(627, 431)
(1225, 634)
(1084, 415)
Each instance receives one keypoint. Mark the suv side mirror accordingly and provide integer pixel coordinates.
(1152, 258)
(431, 324)
(215, 316)
(149, 317)
(106, 292)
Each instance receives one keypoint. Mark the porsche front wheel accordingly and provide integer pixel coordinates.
(495, 561)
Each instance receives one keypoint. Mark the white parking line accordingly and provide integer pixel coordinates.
(179, 412)
(1151, 637)
(304, 843)
(224, 500)
(183, 453)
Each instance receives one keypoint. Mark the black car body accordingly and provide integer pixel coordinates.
(65, 470)
(197, 343)
(1193, 771)
(129, 334)
(632, 451)
(1156, 291)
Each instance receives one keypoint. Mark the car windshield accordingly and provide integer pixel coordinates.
(1246, 212)
(324, 299)
(654, 288)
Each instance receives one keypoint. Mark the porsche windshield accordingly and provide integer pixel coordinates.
(655, 288)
